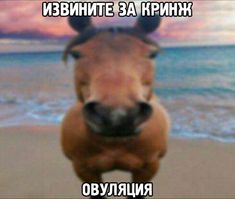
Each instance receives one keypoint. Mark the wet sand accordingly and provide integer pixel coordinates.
(32, 166)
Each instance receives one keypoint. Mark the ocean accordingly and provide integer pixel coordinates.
(195, 84)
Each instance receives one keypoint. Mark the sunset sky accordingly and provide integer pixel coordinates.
(213, 22)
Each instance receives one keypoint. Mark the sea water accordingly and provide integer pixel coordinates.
(195, 84)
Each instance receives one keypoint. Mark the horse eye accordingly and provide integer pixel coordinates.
(153, 54)
(75, 54)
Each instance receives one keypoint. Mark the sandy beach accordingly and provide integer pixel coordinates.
(33, 166)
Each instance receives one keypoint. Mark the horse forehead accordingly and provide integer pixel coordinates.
(115, 43)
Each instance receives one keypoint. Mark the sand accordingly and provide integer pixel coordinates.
(32, 166)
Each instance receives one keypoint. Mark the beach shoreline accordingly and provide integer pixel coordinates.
(197, 89)
(33, 166)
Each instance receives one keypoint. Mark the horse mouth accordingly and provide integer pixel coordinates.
(121, 131)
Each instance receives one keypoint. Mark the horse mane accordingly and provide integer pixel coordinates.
(92, 32)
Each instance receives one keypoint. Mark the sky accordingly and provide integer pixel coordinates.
(22, 26)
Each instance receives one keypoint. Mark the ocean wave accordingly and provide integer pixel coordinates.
(196, 85)
(202, 119)
(25, 110)
(193, 117)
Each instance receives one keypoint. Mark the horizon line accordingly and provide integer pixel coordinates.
(60, 48)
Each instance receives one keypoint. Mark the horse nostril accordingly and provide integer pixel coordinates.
(94, 112)
(91, 113)
(144, 111)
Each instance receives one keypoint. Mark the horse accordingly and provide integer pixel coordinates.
(117, 122)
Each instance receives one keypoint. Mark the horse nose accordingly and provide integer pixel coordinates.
(95, 113)
(101, 117)
(131, 118)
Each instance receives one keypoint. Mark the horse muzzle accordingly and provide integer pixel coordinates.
(116, 122)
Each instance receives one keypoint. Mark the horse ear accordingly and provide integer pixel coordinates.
(148, 24)
(80, 23)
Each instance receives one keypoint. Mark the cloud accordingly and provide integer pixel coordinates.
(212, 22)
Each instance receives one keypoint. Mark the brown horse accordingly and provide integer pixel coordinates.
(118, 122)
